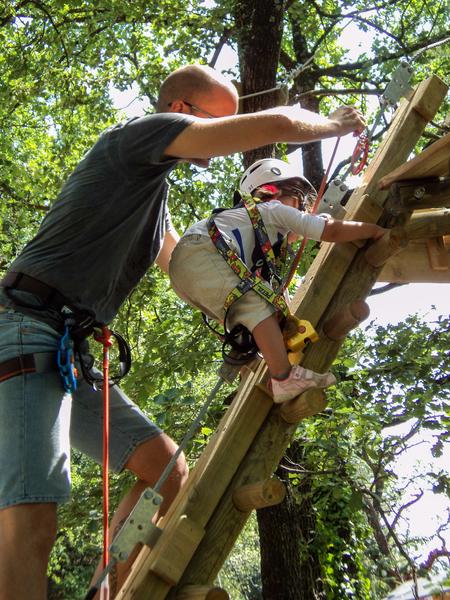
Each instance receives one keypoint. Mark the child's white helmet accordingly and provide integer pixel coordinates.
(268, 170)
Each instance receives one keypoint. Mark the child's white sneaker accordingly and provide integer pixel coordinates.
(299, 380)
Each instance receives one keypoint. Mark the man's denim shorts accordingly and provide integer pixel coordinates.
(39, 421)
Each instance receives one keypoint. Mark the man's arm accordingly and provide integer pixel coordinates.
(171, 238)
(206, 138)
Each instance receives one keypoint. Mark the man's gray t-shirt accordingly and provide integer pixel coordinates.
(106, 227)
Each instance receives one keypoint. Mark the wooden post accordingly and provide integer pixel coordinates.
(201, 592)
(341, 323)
(390, 244)
(261, 494)
(437, 254)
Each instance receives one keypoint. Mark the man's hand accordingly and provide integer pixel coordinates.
(348, 119)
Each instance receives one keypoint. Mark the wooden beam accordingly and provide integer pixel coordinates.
(434, 161)
(261, 494)
(426, 224)
(411, 265)
(349, 317)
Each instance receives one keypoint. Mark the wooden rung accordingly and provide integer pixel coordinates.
(339, 325)
(259, 495)
(309, 403)
(201, 592)
(390, 244)
(172, 553)
(437, 254)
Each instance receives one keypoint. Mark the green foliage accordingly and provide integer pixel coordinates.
(389, 378)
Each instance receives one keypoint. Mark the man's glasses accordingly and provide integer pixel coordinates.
(197, 109)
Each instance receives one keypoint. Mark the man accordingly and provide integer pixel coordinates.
(108, 225)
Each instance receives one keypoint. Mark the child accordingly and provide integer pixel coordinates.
(201, 276)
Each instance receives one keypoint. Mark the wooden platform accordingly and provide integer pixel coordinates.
(434, 161)
(426, 258)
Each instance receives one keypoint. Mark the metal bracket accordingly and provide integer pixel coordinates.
(398, 86)
(331, 200)
(138, 528)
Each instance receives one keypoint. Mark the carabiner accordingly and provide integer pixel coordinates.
(66, 361)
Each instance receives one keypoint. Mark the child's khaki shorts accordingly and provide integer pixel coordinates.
(201, 277)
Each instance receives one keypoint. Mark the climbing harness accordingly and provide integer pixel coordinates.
(243, 346)
(78, 324)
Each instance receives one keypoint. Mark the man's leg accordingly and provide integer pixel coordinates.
(147, 462)
(27, 534)
(34, 460)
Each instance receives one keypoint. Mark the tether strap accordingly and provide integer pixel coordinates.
(40, 362)
(249, 280)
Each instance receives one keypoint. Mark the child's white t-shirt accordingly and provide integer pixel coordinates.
(279, 220)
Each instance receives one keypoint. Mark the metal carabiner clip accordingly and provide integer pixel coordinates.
(66, 361)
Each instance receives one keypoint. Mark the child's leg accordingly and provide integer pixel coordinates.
(287, 382)
(269, 339)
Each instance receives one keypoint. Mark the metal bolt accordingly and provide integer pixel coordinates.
(419, 193)
(157, 500)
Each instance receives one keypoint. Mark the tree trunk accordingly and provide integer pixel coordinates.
(260, 26)
(290, 568)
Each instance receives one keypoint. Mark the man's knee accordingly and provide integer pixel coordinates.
(29, 525)
(180, 471)
(151, 458)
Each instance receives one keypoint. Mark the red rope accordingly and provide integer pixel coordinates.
(105, 339)
(299, 254)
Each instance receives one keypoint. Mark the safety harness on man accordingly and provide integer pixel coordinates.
(240, 340)
(77, 325)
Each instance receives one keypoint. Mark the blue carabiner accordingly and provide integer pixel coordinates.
(66, 361)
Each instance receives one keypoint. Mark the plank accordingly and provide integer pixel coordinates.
(411, 265)
(434, 161)
(252, 435)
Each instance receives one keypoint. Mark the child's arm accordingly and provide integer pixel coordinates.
(171, 238)
(348, 231)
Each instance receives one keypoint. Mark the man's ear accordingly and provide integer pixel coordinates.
(176, 106)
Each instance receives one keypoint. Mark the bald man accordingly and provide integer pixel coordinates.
(108, 225)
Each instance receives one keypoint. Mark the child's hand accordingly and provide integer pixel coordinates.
(379, 232)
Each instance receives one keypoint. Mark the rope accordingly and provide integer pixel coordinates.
(299, 254)
(105, 339)
(190, 432)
